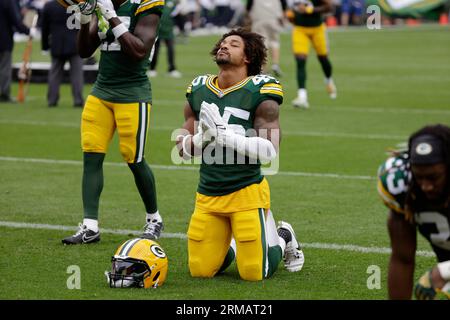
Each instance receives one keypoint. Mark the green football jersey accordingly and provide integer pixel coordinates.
(308, 20)
(393, 179)
(223, 171)
(121, 79)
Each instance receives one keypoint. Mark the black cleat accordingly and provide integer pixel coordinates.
(152, 230)
(83, 235)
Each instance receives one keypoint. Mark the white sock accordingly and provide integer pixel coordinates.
(91, 224)
(233, 245)
(329, 80)
(302, 93)
(282, 245)
(153, 217)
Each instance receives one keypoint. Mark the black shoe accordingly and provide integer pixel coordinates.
(52, 105)
(83, 235)
(7, 99)
(152, 230)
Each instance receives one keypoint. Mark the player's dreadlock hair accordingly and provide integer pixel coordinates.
(254, 49)
(414, 197)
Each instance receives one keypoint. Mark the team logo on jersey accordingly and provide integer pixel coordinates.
(424, 148)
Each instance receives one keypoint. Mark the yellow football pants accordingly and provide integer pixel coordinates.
(100, 119)
(302, 37)
(209, 239)
(217, 218)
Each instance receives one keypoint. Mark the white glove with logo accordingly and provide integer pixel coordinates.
(107, 9)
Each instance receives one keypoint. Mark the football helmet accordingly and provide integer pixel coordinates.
(139, 263)
(86, 6)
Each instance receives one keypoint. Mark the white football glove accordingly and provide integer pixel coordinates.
(252, 147)
(198, 139)
(107, 9)
(211, 119)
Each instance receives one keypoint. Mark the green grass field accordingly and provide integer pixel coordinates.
(390, 83)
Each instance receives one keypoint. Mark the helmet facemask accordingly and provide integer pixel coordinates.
(128, 273)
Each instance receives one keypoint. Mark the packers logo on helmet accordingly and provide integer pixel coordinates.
(139, 263)
(85, 6)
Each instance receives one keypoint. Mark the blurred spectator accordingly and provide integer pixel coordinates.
(238, 16)
(267, 20)
(62, 44)
(179, 18)
(352, 12)
(207, 8)
(166, 34)
(223, 13)
(192, 14)
(10, 21)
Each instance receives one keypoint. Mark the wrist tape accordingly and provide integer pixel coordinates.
(119, 30)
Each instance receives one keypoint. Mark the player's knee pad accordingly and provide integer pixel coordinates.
(127, 152)
(90, 143)
(200, 269)
(251, 271)
(247, 233)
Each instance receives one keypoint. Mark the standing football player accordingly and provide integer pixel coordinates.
(309, 27)
(239, 110)
(415, 185)
(120, 99)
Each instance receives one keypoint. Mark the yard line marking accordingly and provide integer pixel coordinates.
(313, 245)
(12, 224)
(169, 128)
(188, 168)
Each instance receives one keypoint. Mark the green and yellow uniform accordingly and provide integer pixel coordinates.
(394, 177)
(309, 28)
(121, 95)
(233, 196)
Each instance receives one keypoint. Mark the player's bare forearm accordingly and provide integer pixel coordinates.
(402, 261)
(267, 123)
(137, 45)
(87, 39)
(400, 278)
